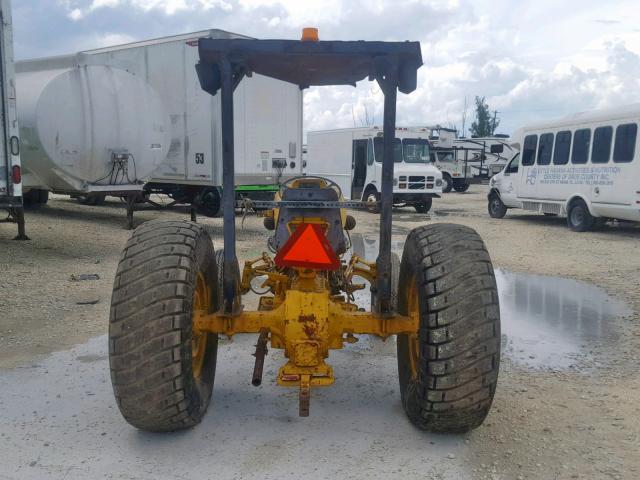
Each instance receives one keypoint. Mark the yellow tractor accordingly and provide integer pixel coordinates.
(173, 296)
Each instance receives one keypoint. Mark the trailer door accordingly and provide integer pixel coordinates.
(5, 157)
(358, 168)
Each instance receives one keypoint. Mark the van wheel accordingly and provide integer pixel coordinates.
(447, 183)
(578, 218)
(424, 206)
(162, 365)
(496, 207)
(448, 368)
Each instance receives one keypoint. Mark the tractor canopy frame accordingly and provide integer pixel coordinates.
(225, 62)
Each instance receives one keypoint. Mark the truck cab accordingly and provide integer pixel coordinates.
(416, 180)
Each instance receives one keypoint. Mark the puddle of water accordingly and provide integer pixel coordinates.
(547, 322)
(550, 322)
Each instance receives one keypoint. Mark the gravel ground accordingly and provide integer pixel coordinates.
(578, 418)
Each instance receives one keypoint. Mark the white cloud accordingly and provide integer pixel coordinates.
(75, 14)
(531, 59)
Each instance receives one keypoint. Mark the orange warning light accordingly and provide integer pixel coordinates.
(310, 34)
(308, 247)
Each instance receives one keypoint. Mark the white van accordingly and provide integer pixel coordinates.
(585, 166)
(352, 157)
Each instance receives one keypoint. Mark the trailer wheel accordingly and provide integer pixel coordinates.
(208, 202)
(448, 369)
(447, 183)
(460, 187)
(162, 367)
(578, 217)
(424, 206)
(35, 198)
(497, 209)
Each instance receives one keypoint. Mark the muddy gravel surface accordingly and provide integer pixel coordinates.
(567, 404)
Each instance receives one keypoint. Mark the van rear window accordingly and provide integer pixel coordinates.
(544, 148)
(562, 148)
(601, 145)
(529, 149)
(625, 144)
(581, 142)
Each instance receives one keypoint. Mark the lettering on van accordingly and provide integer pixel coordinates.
(199, 158)
(576, 175)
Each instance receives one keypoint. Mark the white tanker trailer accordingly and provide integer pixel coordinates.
(87, 129)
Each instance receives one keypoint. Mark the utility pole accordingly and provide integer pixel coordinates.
(464, 117)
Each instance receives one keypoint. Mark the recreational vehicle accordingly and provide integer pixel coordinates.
(585, 166)
(10, 169)
(352, 158)
(466, 161)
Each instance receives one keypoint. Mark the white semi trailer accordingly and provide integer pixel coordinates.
(10, 169)
(88, 130)
(267, 117)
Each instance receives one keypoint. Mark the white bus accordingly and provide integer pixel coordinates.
(352, 158)
(585, 166)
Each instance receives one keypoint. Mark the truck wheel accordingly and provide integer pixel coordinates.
(371, 197)
(424, 206)
(578, 218)
(460, 187)
(448, 369)
(447, 183)
(162, 367)
(496, 207)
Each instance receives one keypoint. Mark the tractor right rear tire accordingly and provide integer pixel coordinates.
(162, 367)
(448, 369)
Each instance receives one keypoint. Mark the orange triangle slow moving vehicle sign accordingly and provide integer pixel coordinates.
(308, 247)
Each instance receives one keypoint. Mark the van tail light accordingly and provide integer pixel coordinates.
(16, 174)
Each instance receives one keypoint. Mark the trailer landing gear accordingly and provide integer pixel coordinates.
(16, 215)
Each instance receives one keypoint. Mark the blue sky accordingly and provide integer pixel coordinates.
(532, 59)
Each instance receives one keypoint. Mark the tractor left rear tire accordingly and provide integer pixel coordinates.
(448, 369)
(162, 368)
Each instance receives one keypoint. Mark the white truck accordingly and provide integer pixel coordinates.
(585, 166)
(10, 169)
(351, 157)
(267, 122)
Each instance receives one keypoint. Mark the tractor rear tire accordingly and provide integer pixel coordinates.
(162, 369)
(448, 370)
